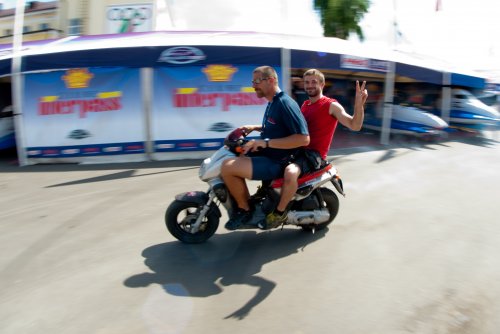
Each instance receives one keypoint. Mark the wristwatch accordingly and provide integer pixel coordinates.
(267, 142)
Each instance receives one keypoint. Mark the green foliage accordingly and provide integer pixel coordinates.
(341, 17)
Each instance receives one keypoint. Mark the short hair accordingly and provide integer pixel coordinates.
(315, 72)
(267, 72)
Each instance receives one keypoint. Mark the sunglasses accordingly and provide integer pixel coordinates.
(258, 81)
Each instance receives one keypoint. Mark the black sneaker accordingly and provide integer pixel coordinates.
(240, 220)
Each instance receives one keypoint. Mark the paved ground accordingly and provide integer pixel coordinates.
(83, 249)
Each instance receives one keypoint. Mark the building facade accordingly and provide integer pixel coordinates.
(40, 22)
(56, 19)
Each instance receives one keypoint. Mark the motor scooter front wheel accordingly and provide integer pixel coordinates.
(181, 216)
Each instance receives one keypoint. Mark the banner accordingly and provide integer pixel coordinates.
(82, 112)
(361, 63)
(195, 107)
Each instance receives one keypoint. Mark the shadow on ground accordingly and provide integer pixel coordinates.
(203, 270)
(117, 176)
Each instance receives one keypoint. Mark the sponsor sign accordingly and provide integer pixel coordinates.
(83, 111)
(195, 107)
(181, 55)
(361, 63)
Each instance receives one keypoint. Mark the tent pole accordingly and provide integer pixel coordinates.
(388, 103)
(17, 82)
(147, 98)
(285, 70)
(446, 97)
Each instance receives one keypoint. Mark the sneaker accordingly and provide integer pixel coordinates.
(273, 220)
(241, 219)
(259, 194)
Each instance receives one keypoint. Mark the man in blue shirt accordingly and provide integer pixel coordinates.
(283, 129)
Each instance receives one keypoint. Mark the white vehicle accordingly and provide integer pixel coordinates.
(7, 133)
(468, 109)
(409, 120)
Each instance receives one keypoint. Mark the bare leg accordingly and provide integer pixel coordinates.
(290, 185)
(234, 172)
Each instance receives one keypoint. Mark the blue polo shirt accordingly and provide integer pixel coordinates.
(282, 119)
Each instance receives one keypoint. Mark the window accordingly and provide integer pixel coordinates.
(26, 29)
(8, 32)
(75, 27)
(44, 26)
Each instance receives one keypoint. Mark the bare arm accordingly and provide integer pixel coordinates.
(354, 122)
(292, 141)
(250, 128)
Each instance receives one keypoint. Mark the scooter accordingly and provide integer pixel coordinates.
(193, 217)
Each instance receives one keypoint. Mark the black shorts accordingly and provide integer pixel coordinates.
(308, 161)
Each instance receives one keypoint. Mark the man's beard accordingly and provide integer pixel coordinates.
(312, 92)
(259, 93)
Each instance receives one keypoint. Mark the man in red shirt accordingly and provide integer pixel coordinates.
(322, 115)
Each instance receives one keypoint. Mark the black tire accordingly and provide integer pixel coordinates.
(180, 216)
(332, 204)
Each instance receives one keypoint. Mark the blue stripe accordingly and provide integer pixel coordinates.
(188, 145)
(469, 115)
(85, 150)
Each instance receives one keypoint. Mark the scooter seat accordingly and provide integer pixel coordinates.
(278, 183)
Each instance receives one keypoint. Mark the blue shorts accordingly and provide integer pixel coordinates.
(264, 168)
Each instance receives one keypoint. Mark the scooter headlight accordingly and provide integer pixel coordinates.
(203, 168)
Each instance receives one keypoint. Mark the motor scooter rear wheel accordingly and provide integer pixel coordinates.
(180, 216)
(331, 201)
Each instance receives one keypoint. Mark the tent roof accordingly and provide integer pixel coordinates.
(144, 49)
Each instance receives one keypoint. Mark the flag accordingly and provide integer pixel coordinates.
(438, 5)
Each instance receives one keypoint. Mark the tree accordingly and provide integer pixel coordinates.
(341, 17)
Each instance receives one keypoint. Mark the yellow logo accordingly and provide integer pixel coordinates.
(186, 90)
(109, 95)
(77, 78)
(51, 98)
(219, 73)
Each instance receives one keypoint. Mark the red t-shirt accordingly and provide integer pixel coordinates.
(321, 124)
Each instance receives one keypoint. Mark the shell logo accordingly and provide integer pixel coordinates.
(77, 78)
(219, 73)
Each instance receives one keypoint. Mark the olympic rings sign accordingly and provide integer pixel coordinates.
(128, 13)
(129, 18)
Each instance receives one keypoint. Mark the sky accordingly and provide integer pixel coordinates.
(462, 31)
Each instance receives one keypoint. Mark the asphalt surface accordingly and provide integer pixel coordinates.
(415, 249)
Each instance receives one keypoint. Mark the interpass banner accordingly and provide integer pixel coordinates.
(83, 112)
(196, 107)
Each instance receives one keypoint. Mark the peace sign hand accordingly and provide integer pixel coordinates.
(361, 93)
